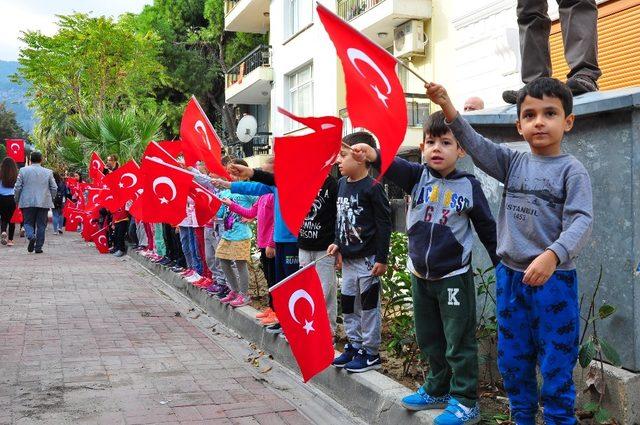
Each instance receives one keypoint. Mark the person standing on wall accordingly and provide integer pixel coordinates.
(579, 23)
(35, 190)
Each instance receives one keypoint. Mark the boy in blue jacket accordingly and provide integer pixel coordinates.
(444, 202)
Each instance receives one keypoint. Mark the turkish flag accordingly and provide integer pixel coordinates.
(206, 203)
(299, 304)
(100, 239)
(74, 219)
(16, 218)
(321, 149)
(15, 149)
(199, 139)
(123, 183)
(94, 197)
(165, 191)
(96, 165)
(173, 147)
(89, 228)
(155, 150)
(375, 97)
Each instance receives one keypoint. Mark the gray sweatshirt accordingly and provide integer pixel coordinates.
(546, 203)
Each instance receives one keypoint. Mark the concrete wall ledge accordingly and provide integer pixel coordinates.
(371, 396)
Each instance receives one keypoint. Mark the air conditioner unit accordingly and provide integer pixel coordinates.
(409, 39)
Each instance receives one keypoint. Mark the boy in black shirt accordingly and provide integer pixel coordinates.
(316, 234)
(363, 231)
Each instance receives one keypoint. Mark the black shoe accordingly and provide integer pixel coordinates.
(581, 84)
(32, 243)
(39, 251)
(274, 329)
(510, 96)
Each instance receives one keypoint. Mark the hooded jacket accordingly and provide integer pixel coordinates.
(439, 218)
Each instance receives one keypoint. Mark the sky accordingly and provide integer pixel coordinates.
(22, 15)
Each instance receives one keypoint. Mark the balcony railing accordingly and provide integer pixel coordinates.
(417, 111)
(229, 5)
(260, 56)
(350, 9)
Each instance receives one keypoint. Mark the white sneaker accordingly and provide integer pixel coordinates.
(193, 278)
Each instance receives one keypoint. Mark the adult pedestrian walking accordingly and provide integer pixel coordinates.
(35, 190)
(8, 177)
(58, 203)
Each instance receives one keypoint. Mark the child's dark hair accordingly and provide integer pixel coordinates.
(434, 125)
(546, 86)
(225, 160)
(240, 161)
(359, 137)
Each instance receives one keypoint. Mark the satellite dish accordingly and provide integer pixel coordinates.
(247, 128)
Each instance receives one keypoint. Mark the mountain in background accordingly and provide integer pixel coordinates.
(14, 95)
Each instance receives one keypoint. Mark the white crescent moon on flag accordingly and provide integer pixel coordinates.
(95, 164)
(17, 149)
(133, 178)
(166, 181)
(79, 218)
(198, 126)
(207, 194)
(100, 238)
(357, 54)
(93, 198)
(297, 295)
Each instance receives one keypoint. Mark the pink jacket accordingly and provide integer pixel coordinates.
(263, 210)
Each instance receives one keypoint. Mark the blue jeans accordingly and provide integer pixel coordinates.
(540, 325)
(58, 219)
(186, 234)
(195, 252)
(35, 223)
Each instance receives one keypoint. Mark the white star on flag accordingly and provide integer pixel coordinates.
(308, 326)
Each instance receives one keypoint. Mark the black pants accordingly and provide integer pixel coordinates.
(578, 20)
(7, 207)
(269, 270)
(173, 246)
(131, 232)
(119, 234)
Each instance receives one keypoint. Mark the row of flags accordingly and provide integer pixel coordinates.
(159, 187)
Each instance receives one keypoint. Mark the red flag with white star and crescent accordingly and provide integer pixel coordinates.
(299, 304)
(321, 149)
(206, 203)
(15, 149)
(96, 165)
(200, 142)
(100, 240)
(375, 97)
(123, 182)
(165, 191)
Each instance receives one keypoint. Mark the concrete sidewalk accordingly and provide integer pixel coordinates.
(88, 338)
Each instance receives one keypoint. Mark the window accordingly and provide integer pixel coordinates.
(298, 14)
(300, 99)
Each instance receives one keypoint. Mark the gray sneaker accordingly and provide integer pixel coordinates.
(510, 96)
(4, 238)
(118, 254)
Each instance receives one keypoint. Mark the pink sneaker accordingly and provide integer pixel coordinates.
(241, 300)
(232, 295)
(187, 273)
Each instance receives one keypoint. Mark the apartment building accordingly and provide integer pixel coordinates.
(300, 71)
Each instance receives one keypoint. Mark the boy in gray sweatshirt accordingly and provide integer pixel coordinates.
(545, 220)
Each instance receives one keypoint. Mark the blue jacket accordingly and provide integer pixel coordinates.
(281, 233)
(234, 228)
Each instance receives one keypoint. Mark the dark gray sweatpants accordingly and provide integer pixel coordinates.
(578, 20)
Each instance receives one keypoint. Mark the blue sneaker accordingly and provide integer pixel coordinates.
(420, 400)
(344, 358)
(457, 414)
(363, 362)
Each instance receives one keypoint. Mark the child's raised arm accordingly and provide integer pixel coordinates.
(492, 158)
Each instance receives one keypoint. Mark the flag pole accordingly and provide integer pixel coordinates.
(405, 66)
(285, 280)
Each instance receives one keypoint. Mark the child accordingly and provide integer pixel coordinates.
(545, 220)
(286, 255)
(235, 247)
(316, 234)
(363, 232)
(444, 201)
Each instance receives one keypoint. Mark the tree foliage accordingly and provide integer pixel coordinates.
(9, 128)
(196, 52)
